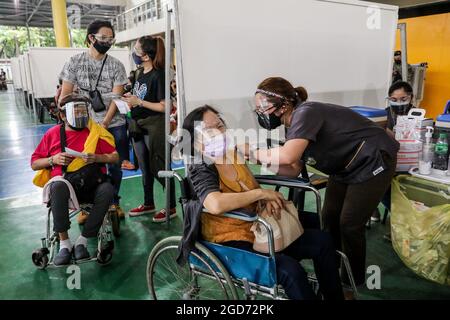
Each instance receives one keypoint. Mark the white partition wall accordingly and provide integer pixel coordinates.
(15, 71)
(340, 51)
(22, 73)
(46, 65)
(26, 62)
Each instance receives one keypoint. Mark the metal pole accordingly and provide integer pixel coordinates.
(168, 41)
(28, 35)
(402, 27)
(34, 108)
(181, 99)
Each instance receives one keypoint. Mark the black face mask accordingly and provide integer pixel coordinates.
(268, 122)
(101, 48)
(401, 110)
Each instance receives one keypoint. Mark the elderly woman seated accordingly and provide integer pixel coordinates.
(223, 183)
(96, 146)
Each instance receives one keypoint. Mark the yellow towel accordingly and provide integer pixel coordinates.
(96, 132)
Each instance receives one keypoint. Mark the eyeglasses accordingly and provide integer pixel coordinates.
(402, 99)
(102, 38)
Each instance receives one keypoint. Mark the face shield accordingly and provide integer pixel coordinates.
(77, 114)
(400, 106)
(266, 120)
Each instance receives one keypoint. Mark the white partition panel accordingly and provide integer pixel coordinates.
(340, 51)
(22, 73)
(15, 71)
(47, 63)
(26, 61)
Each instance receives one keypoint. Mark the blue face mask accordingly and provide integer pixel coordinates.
(137, 60)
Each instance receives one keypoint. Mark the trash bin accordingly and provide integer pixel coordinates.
(420, 226)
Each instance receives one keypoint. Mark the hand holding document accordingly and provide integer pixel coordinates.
(75, 153)
(122, 106)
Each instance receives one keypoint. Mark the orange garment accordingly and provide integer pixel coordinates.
(216, 228)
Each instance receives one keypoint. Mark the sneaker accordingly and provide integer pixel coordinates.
(349, 294)
(127, 165)
(82, 217)
(118, 209)
(161, 215)
(81, 253)
(375, 216)
(139, 211)
(63, 257)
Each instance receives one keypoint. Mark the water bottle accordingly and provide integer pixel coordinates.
(440, 153)
(426, 159)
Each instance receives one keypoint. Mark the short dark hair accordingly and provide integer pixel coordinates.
(189, 124)
(96, 25)
(401, 85)
(397, 53)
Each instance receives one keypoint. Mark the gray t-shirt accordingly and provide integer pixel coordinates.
(342, 143)
(82, 70)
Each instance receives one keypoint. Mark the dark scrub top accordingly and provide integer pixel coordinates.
(149, 87)
(342, 143)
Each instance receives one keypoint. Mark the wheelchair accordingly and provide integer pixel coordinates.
(214, 271)
(43, 257)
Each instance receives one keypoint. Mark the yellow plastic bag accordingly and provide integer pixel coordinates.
(420, 226)
(42, 177)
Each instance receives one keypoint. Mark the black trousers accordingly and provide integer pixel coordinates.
(59, 201)
(347, 209)
(313, 244)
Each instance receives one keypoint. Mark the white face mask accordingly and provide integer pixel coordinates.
(217, 146)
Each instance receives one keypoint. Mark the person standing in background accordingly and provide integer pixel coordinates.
(94, 70)
(147, 106)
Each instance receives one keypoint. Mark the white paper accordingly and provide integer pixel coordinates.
(75, 153)
(122, 106)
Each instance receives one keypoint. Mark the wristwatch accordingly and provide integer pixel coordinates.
(50, 161)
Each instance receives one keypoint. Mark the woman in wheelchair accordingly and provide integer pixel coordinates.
(222, 182)
(78, 133)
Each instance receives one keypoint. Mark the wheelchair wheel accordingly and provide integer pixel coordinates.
(115, 222)
(167, 280)
(40, 258)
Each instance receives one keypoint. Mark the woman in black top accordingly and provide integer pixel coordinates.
(359, 156)
(147, 109)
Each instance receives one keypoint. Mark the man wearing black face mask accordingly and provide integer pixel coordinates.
(100, 76)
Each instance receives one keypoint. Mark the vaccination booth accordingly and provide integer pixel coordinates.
(220, 62)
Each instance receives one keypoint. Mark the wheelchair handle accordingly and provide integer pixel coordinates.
(170, 175)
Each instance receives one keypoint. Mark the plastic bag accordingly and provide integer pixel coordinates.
(421, 235)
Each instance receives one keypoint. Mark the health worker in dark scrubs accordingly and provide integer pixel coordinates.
(358, 155)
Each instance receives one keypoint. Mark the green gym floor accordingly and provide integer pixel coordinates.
(22, 224)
